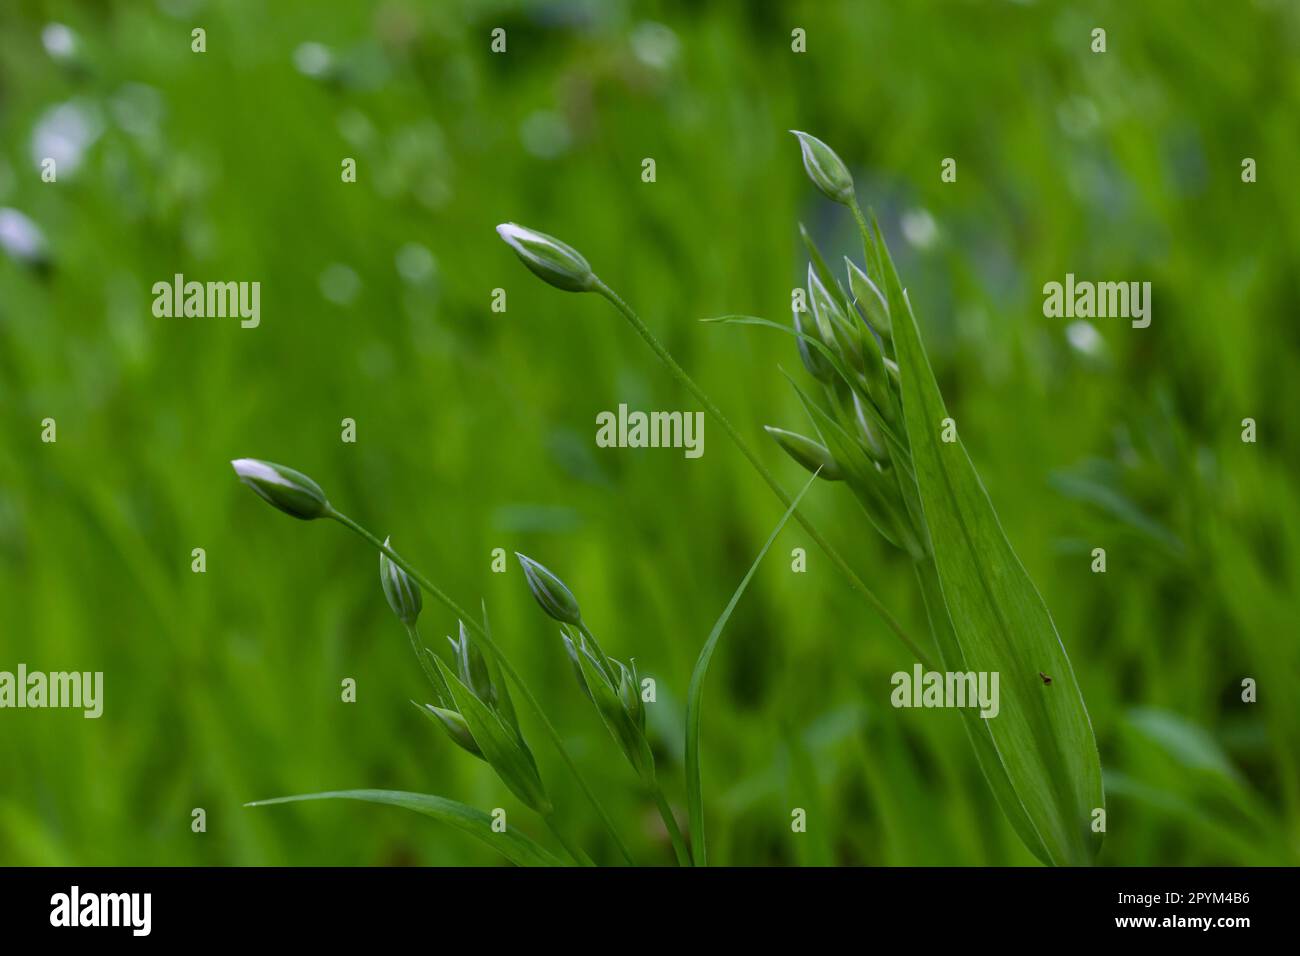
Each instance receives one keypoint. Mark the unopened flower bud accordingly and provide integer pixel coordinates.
(290, 491)
(817, 364)
(825, 169)
(549, 591)
(548, 258)
(471, 668)
(807, 452)
(869, 299)
(403, 594)
(454, 724)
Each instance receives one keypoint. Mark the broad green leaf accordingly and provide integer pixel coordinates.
(695, 694)
(977, 728)
(511, 844)
(1042, 734)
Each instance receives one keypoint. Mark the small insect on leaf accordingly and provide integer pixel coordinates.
(1045, 677)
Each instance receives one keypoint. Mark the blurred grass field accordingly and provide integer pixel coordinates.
(475, 429)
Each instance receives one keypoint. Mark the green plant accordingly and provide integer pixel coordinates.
(614, 688)
(473, 704)
(884, 432)
(561, 266)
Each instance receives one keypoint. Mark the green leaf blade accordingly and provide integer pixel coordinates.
(508, 755)
(1042, 733)
(695, 694)
(514, 846)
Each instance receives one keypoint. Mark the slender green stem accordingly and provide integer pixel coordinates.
(670, 821)
(860, 219)
(425, 665)
(436, 592)
(576, 852)
(679, 373)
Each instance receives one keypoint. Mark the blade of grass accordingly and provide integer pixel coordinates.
(1042, 733)
(511, 844)
(694, 794)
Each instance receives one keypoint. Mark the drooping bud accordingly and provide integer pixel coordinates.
(548, 258)
(403, 594)
(549, 591)
(290, 491)
(810, 454)
(825, 169)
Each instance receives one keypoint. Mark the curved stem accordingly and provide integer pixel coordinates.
(436, 592)
(414, 635)
(680, 374)
(670, 821)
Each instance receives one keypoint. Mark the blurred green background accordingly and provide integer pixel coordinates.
(475, 430)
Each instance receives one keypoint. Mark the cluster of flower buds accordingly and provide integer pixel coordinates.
(472, 701)
(844, 338)
(613, 687)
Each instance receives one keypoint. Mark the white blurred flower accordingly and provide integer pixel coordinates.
(313, 59)
(20, 237)
(64, 133)
(59, 41)
(1085, 339)
(415, 263)
(655, 45)
(919, 228)
(545, 134)
(339, 284)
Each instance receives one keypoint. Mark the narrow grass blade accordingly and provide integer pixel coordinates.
(511, 844)
(694, 794)
(1042, 733)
